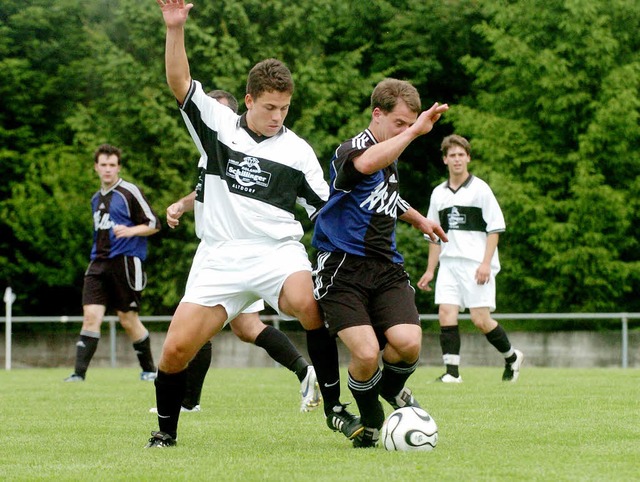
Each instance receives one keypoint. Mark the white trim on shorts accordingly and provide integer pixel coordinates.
(456, 285)
(237, 274)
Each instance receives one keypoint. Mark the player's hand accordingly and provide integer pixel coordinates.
(122, 231)
(429, 117)
(425, 279)
(174, 12)
(174, 213)
(483, 274)
(434, 231)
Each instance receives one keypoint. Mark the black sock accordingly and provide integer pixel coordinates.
(279, 347)
(499, 339)
(450, 344)
(366, 396)
(143, 352)
(300, 368)
(85, 349)
(169, 394)
(394, 377)
(323, 352)
(196, 373)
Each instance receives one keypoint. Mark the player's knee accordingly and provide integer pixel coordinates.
(244, 335)
(366, 356)
(308, 312)
(484, 323)
(174, 358)
(412, 350)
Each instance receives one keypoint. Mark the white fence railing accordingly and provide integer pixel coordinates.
(9, 298)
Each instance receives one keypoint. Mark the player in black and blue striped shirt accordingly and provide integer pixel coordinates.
(115, 278)
(360, 283)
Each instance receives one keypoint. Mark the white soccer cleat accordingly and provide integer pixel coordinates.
(182, 409)
(447, 378)
(310, 391)
(148, 376)
(191, 410)
(512, 370)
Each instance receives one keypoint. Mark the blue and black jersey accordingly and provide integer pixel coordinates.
(360, 216)
(122, 204)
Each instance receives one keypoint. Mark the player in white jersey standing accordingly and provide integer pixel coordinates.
(469, 213)
(254, 171)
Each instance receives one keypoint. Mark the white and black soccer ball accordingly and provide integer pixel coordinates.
(409, 429)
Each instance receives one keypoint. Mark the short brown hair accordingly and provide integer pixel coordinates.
(107, 149)
(455, 140)
(386, 94)
(270, 75)
(223, 94)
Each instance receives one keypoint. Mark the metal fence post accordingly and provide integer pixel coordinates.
(9, 298)
(625, 341)
(112, 341)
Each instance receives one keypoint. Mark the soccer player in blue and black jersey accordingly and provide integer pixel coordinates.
(115, 278)
(361, 285)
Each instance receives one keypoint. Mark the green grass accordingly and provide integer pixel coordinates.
(554, 424)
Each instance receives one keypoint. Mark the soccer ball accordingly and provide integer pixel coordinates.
(409, 429)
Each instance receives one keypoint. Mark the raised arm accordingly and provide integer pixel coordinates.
(175, 14)
(384, 153)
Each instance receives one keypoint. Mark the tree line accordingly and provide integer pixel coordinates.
(547, 92)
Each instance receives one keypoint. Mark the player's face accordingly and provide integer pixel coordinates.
(266, 114)
(393, 123)
(108, 169)
(457, 160)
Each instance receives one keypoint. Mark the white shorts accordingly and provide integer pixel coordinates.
(456, 285)
(239, 274)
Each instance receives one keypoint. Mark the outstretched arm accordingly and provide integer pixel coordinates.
(384, 153)
(175, 14)
(426, 226)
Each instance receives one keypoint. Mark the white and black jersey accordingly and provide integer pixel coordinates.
(467, 215)
(249, 185)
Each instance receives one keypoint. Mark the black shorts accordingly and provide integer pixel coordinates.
(116, 283)
(355, 290)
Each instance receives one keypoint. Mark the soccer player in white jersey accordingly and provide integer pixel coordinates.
(469, 213)
(254, 171)
(247, 326)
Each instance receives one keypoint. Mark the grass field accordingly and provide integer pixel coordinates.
(554, 424)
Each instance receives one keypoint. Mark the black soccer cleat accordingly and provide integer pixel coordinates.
(160, 440)
(340, 420)
(367, 438)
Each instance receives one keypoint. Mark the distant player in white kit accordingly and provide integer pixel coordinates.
(469, 213)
